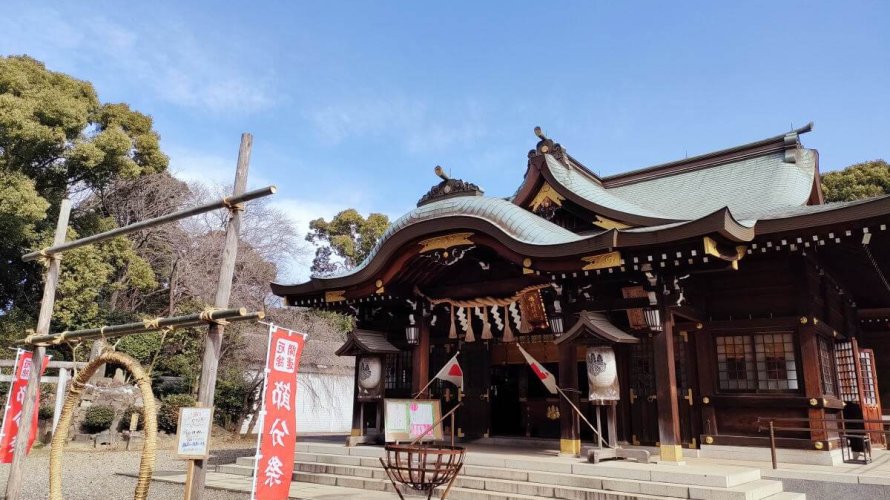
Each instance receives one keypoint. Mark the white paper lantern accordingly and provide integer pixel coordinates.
(602, 374)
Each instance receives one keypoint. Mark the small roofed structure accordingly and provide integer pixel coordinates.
(360, 342)
(594, 329)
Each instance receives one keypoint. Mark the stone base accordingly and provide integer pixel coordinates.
(596, 455)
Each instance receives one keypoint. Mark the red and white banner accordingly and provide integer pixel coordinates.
(543, 374)
(274, 464)
(14, 401)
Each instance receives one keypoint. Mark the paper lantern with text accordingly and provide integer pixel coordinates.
(369, 379)
(602, 374)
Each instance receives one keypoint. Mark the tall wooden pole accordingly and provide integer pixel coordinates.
(213, 342)
(51, 279)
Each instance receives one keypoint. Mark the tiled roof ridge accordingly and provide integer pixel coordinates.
(788, 140)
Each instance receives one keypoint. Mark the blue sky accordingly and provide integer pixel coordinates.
(353, 103)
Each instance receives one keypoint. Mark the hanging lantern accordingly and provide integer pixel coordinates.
(556, 325)
(412, 334)
(653, 318)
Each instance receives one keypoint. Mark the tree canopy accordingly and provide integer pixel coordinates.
(56, 140)
(856, 182)
(348, 236)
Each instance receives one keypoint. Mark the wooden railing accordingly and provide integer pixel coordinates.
(840, 427)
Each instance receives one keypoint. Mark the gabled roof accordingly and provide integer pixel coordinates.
(596, 328)
(360, 342)
(763, 176)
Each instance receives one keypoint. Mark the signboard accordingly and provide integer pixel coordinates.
(14, 400)
(274, 464)
(193, 432)
(406, 419)
(602, 374)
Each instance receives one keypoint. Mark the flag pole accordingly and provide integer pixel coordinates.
(424, 388)
(595, 431)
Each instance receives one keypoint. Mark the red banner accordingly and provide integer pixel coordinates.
(14, 400)
(274, 464)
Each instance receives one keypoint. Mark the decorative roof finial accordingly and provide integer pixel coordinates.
(546, 146)
(441, 173)
(449, 187)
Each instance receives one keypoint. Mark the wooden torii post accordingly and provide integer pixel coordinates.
(51, 255)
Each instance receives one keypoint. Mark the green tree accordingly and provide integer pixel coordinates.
(856, 182)
(56, 140)
(348, 236)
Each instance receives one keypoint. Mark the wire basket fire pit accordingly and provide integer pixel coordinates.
(423, 467)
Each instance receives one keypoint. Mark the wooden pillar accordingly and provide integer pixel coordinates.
(50, 279)
(213, 340)
(420, 370)
(812, 383)
(570, 423)
(666, 390)
(358, 424)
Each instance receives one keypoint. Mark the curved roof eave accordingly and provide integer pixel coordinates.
(544, 167)
(720, 222)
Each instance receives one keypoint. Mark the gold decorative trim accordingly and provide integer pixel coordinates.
(601, 261)
(548, 194)
(711, 249)
(570, 446)
(445, 242)
(685, 335)
(606, 223)
(671, 453)
(709, 440)
(335, 296)
(819, 445)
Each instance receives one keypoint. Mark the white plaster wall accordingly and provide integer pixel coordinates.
(324, 404)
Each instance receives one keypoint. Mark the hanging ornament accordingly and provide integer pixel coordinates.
(498, 322)
(452, 332)
(468, 327)
(508, 330)
(486, 326)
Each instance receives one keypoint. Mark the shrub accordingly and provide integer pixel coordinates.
(45, 412)
(168, 415)
(124, 424)
(97, 418)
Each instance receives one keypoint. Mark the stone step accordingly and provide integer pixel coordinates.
(787, 495)
(548, 484)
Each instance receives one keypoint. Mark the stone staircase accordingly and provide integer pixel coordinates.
(500, 476)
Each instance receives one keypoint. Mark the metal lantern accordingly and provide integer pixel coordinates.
(412, 334)
(653, 318)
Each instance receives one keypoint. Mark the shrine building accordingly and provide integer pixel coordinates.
(681, 302)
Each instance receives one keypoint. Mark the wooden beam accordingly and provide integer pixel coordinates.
(154, 222)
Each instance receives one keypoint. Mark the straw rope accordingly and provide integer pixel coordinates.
(483, 301)
(149, 415)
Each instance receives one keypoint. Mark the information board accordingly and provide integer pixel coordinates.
(193, 433)
(406, 419)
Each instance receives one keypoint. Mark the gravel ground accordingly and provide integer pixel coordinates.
(94, 474)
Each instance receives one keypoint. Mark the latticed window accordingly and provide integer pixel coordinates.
(846, 372)
(776, 367)
(735, 362)
(763, 362)
(398, 373)
(826, 366)
(869, 394)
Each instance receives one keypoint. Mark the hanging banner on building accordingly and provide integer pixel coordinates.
(369, 380)
(602, 374)
(14, 401)
(274, 464)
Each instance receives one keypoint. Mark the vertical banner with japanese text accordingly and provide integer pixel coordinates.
(14, 401)
(274, 464)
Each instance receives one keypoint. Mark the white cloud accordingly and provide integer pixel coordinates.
(171, 62)
(406, 121)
